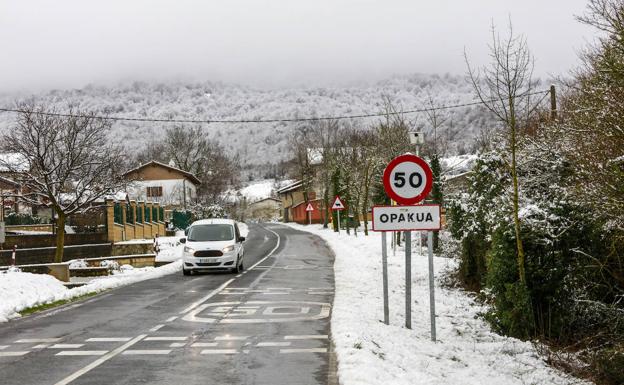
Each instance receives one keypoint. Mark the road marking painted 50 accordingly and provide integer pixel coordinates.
(258, 312)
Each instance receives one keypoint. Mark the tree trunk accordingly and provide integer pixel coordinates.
(365, 200)
(514, 176)
(60, 237)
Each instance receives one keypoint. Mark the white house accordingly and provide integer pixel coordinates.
(159, 182)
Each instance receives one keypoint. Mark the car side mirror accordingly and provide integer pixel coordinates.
(241, 239)
(182, 240)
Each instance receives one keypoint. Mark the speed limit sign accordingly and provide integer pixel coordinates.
(408, 179)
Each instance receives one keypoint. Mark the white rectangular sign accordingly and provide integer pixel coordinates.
(406, 218)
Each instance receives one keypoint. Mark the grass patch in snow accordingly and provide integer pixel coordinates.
(50, 305)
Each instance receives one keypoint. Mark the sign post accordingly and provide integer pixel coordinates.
(338, 206)
(384, 266)
(431, 287)
(408, 180)
(309, 210)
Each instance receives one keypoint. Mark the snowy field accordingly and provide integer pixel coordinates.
(369, 352)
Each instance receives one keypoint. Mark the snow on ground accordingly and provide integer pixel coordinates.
(20, 291)
(261, 189)
(369, 352)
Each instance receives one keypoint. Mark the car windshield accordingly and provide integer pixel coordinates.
(205, 233)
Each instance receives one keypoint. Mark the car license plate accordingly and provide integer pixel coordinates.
(208, 260)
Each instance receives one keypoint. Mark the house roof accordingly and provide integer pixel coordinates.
(266, 199)
(290, 187)
(187, 174)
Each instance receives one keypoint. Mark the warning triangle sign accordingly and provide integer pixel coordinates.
(309, 208)
(338, 205)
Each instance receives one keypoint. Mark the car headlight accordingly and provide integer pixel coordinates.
(188, 250)
(228, 249)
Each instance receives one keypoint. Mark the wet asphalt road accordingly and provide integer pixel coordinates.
(269, 325)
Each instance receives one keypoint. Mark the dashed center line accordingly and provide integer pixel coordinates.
(155, 328)
(204, 344)
(231, 338)
(269, 344)
(2, 347)
(82, 353)
(13, 354)
(314, 350)
(37, 340)
(171, 319)
(219, 351)
(152, 351)
(66, 346)
(107, 339)
(166, 338)
(308, 337)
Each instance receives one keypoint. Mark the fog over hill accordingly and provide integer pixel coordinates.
(261, 143)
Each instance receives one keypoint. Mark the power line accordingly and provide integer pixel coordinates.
(212, 121)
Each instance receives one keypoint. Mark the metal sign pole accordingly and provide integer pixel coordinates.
(384, 265)
(338, 222)
(408, 279)
(431, 287)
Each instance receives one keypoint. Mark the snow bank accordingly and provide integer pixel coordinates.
(369, 352)
(23, 290)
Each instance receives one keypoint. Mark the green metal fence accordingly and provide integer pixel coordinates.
(181, 219)
(117, 213)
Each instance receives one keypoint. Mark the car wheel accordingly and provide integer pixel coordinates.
(186, 272)
(239, 266)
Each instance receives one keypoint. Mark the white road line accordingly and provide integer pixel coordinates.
(219, 351)
(139, 352)
(82, 353)
(238, 276)
(40, 346)
(2, 347)
(314, 350)
(171, 319)
(155, 328)
(178, 345)
(36, 340)
(100, 361)
(166, 338)
(13, 354)
(279, 239)
(107, 339)
(307, 337)
(66, 346)
(268, 344)
(207, 297)
(204, 344)
(231, 338)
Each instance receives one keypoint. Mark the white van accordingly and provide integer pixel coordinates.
(212, 244)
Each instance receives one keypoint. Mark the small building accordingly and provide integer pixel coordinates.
(164, 184)
(294, 204)
(265, 209)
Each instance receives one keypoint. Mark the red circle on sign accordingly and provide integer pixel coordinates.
(407, 158)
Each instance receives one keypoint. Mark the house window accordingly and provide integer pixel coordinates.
(154, 191)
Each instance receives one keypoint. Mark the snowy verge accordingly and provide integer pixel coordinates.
(20, 291)
(369, 352)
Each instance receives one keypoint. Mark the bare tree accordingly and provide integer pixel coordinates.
(504, 87)
(192, 151)
(72, 161)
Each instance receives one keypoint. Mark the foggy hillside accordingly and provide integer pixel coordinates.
(261, 143)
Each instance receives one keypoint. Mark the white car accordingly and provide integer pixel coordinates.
(212, 244)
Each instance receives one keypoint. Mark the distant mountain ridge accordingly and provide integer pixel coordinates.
(262, 143)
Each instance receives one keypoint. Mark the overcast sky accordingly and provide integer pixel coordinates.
(66, 43)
